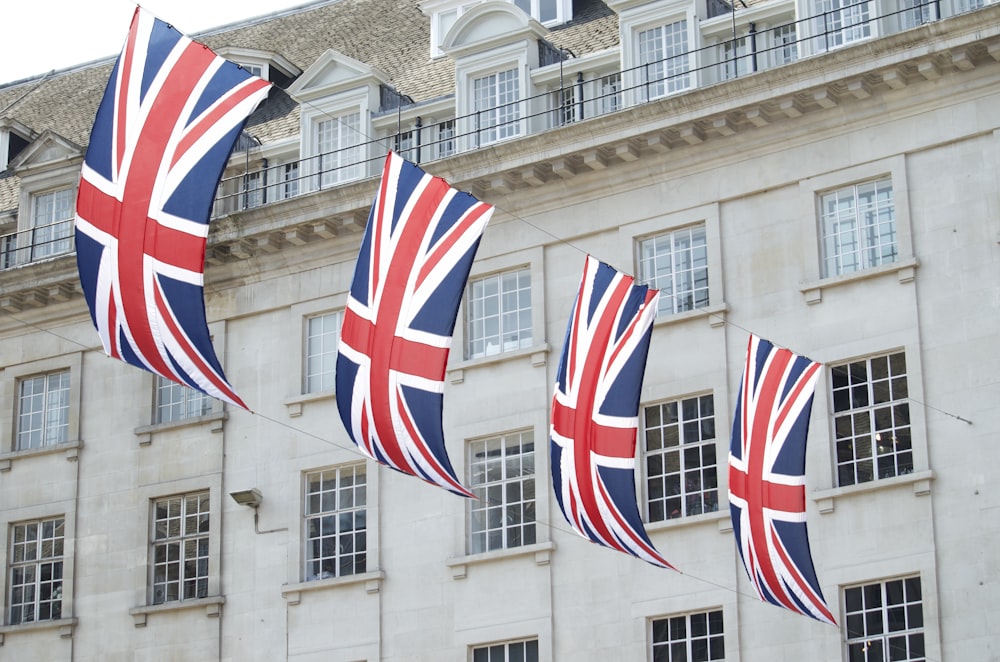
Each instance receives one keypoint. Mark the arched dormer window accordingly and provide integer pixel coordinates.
(445, 13)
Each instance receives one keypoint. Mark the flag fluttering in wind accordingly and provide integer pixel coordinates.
(414, 262)
(162, 135)
(595, 410)
(767, 494)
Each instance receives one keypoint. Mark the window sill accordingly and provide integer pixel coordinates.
(296, 404)
(904, 269)
(372, 581)
(542, 552)
(64, 625)
(212, 606)
(70, 448)
(538, 354)
(213, 420)
(716, 316)
(920, 480)
(721, 517)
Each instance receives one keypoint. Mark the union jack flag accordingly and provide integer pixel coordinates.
(595, 410)
(161, 138)
(767, 461)
(415, 257)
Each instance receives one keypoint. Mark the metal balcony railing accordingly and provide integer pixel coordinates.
(36, 244)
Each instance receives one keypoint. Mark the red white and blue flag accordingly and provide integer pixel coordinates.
(414, 262)
(163, 132)
(595, 410)
(767, 494)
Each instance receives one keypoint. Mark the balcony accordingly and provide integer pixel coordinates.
(36, 244)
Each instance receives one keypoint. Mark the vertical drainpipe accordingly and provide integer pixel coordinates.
(579, 94)
(418, 125)
(753, 47)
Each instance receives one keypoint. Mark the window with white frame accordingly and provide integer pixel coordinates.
(179, 542)
(52, 223)
(840, 22)
(610, 92)
(287, 181)
(253, 190)
(43, 410)
(338, 147)
(858, 227)
(176, 402)
(498, 313)
(444, 141)
(734, 54)
(785, 48)
(919, 12)
(336, 512)
(405, 144)
(871, 419)
(697, 636)
(679, 448)
(36, 571)
(884, 621)
(565, 109)
(507, 651)
(676, 263)
(664, 60)
(322, 340)
(496, 103)
(502, 476)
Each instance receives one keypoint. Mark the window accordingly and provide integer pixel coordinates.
(495, 99)
(176, 402)
(180, 548)
(697, 637)
(336, 522)
(564, 106)
(842, 22)
(253, 192)
(498, 314)
(681, 470)
(36, 571)
(52, 223)
(919, 13)
(885, 621)
(871, 419)
(511, 651)
(322, 339)
(786, 49)
(858, 227)
(676, 263)
(502, 476)
(288, 174)
(406, 144)
(735, 58)
(43, 410)
(338, 144)
(611, 92)
(664, 60)
(445, 142)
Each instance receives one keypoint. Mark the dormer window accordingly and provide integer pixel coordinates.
(14, 137)
(263, 64)
(445, 13)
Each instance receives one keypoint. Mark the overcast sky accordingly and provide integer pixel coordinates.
(42, 35)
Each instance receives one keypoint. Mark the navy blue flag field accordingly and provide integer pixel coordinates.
(767, 494)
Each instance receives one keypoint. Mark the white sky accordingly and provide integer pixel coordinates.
(42, 35)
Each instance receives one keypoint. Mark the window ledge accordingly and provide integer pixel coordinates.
(716, 315)
(64, 625)
(295, 404)
(213, 419)
(920, 480)
(372, 581)
(212, 606)
(721, 517)
(538, 354)
(70, 448)
(904, 269)
(459, 565)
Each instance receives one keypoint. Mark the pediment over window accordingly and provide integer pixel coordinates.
(333, 73)
(14, 137)
(266, 64)
(489, 25)
(49, 150)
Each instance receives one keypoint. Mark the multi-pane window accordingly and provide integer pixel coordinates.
(611, 92)
(498, 314)
(176, 402)
(336, 522)
(288, 186)
(681, 469)
(920, 12)
(840, 22)
(406, 144)
(502, 476)
(858, 227)
(676, 263)
(180, 548)
(322, 338)
(36, 571)
(496, 104)
(664, 61)
(542, 11)
(735, 58)
(253, 190)
(43, 410)
(885, 621)
(338, 144)
(508, 651)
(786, 48)
(564, 106)
(51, 223)
(445, 143)
(871, 419)
(696, 637)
